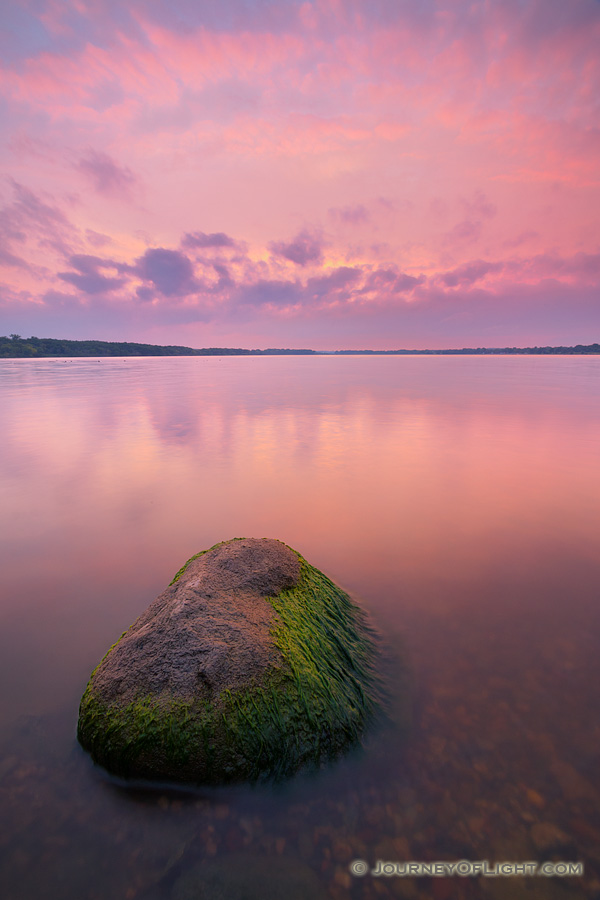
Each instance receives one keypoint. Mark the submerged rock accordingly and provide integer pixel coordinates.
(251, 664)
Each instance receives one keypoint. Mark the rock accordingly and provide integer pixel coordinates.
(250, 664)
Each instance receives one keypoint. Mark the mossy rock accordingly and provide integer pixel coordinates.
(251, 664)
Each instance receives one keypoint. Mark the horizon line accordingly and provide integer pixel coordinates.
(34, 344)
(34, 347)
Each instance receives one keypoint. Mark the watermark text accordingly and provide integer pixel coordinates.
(464, 868)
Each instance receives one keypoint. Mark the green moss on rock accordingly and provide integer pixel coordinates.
(312, 703)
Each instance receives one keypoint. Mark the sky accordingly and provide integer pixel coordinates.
(329, 174)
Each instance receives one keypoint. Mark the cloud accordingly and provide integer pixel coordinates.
(479, 206)
(466, 232)
(170, 271)
(97, 239)
(583, 268)
(198, 239)
(30, 219)
(468, 274)
(105, 175)
(269, 292)
(225, 280)
(9, 259)
(87, 278)
(303, 249)
(389, 282)
(335, 285)
(56, 301)
(521, 238)
(580, 268)
(350, 215)
(478, 209)
(350, 287)
(145, 293)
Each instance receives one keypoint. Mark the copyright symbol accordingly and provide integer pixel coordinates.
(359, 867)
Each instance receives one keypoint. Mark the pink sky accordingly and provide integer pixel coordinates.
(327, 174)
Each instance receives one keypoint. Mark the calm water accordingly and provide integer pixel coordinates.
(458, 497)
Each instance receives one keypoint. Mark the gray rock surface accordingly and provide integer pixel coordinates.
(206, 632)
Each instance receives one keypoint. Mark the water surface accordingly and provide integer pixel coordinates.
(458, 497)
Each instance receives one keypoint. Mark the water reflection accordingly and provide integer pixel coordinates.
(457, 496)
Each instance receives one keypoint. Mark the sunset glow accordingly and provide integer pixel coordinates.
(320, 174)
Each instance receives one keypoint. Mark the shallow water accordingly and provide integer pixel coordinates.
(458, 497)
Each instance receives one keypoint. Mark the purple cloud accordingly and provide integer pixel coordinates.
(225, 280)
(87, 277)
(479, 206)
(389, 281)
(335, 283)
(144, 293)
(521, 239)
(9, 259)
(200, 239)
(270, 292)
(304, 248)
(583, 266)
(350, 215)
(169, 270)
(28, 216)
(469, 273)
(105, 175)
(97, 239)
(466, 232)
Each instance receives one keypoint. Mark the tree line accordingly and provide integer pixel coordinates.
(16, 347)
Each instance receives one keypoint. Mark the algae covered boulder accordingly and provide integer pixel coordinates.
(250, 664)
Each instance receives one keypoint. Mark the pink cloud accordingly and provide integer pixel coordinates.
(303, 249)
(350, 215)
(105, 175)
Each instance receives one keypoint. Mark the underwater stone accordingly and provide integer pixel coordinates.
(251, 664)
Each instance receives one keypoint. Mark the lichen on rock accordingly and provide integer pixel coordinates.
(251, 664)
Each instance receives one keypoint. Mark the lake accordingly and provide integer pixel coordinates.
(457, 497)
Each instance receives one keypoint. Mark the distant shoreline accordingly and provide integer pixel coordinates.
(16, 347)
